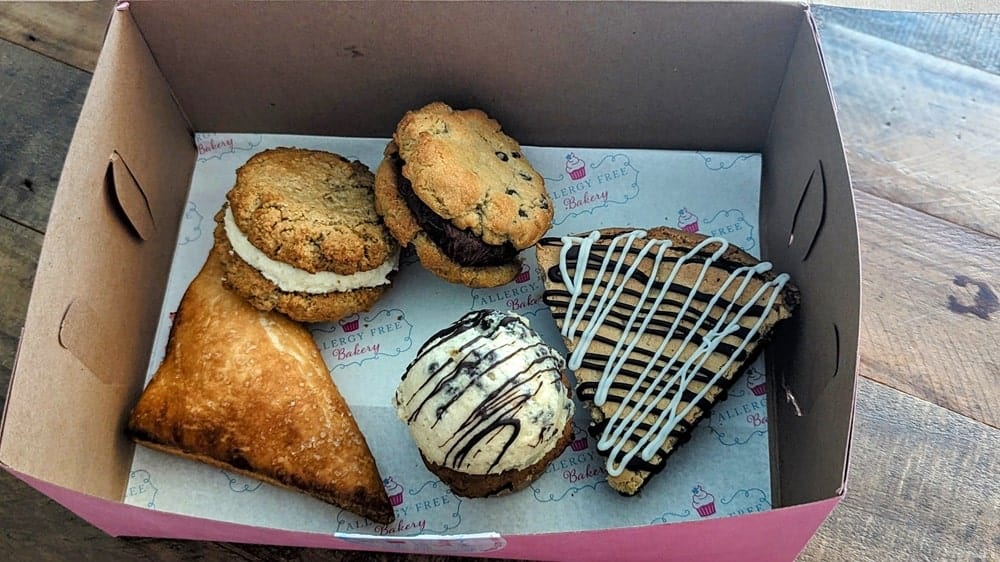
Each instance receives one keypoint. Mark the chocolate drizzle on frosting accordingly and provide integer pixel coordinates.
(479, 387)
(462, 246)
(647, 386)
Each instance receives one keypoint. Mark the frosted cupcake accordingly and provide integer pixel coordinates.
(487, 403)
(702, 501)
(394, 490)
(687, 221)
(756, 382)
(579, 441)
(575, 167)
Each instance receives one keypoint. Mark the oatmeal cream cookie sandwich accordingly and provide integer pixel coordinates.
(301, 235)
(460, 191)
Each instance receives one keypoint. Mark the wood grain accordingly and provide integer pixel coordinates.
(913, 337)
(71, 32)
(969, 39)
(19, 248)
(919, 130)
(936, 497)
(41, 100)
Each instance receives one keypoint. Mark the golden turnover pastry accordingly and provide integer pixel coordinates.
(248, 391)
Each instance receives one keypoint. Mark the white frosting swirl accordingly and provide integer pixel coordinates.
(485, 395)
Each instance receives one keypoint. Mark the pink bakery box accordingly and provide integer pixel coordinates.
(740, 77)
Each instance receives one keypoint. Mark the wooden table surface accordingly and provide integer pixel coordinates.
(919, 100)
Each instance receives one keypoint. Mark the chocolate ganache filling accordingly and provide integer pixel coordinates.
(462, 246)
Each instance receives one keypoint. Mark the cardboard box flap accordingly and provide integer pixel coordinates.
(129, 195)
(813, 236)
(101, 274)
(556, 72)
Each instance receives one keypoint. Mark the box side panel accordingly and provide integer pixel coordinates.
(644, 74)
(770, 536)
(101, 275)
(767, 536)
(810, 230)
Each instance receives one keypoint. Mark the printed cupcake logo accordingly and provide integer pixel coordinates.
(394, 490)
(575, 167)
(702, 501)
(524, 276)
(687, 221)
(756, 382)
(241, 484)
(216, 145)
(360, 338)
(141, 490)
(579, 469)
(350, 324)
(705, 504)
(580, 439)
(612, 180)
(523, 295)
(428, 508)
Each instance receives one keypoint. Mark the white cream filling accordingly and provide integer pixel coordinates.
(292, 279)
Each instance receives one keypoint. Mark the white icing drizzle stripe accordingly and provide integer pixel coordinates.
(621, 427)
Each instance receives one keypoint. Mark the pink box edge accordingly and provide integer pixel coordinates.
(778, 534)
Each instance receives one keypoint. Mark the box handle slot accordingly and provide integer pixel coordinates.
(473, 543)
(79, 323)
(803, 398)
(130, 199)
(815, 212)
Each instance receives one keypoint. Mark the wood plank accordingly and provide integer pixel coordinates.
(969, 39)
(19, 248)
(918, 130)
(41, 100)
(930, 321)
(71, 32)
(936, 497)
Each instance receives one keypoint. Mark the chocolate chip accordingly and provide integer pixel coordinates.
(501, 155)
(522, 213)
(544, 205)
(515, 154)
(511, 191)
(524, 176)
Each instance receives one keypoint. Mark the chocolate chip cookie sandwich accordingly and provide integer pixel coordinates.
(658, 323)
(301, 235)
(487, 403)
(460, 191)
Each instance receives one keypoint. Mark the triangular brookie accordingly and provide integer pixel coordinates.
(658, 325)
